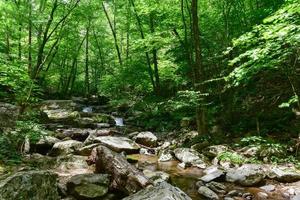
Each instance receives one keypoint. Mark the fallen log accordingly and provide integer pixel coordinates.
(124, 176)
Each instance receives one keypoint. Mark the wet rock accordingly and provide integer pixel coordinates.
(61, 116)
(166, 155)
(33, 185)
(268, 188)
(125, 177)
(233, 193)
(65, 147)
(284, 174)
(87, 150)
(212, 174)
(102, 125)
(248, 196)
(187, 155)
(214, 151)
(118, 144)
(44, 145)
(147, 139)
(250, 152)
(262, 195)
(8, 114)
(207, 193)
(246, 175)
(156, 176)
(217, 187)
(88, 186)
(162, 191)
(97, 133)
(147, 151)
(74, 133)
(184, 165)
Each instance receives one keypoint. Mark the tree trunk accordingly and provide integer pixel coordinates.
(198, 68)
(87, 79)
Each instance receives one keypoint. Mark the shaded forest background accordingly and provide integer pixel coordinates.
(230, 65)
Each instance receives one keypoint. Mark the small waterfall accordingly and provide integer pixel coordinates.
(119, 121)
(87, 109)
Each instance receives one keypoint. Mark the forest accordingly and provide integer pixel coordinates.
(149, 99)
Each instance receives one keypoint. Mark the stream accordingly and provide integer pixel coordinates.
(77, 131)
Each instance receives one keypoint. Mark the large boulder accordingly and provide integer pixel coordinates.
(8, 114)
(190, 156)
(44, 145)
(88, 186)
(124, 176)
(246, 175)
(33, 185)
(65, 147)
(61, 116)
(118, 144)
(162, 191)
(146, 138)
(284, 174)
(74, 133)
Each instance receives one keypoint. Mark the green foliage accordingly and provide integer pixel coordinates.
(17, 85)
(232, 157)
(12, 142)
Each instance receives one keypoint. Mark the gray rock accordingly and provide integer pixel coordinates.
(166, 155)
(86, 150)
(217, 187)
(74, 133)
(88, 186)
(246, 175)
(268, 188)
(284, 174)
(207, 193)
(187, 155)
(65, 147)
(162, 191)
(118, 144)
(8, 114)
(44, 145)
(156, 176)
(33, 185)
(214, 151)
(146, 138)
(212, 175)
(62, 116)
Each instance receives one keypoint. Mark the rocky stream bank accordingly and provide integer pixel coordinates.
(92, 153)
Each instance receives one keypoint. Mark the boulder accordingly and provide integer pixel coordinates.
(118, 144)
(207, 193)
(65, 147)
(44, 145)
(187, 155)
(86, 150)
(284, 174)
(88, 186)
(268, 188)
(147, 139)
(97, 133)
(156, 176)
(217, 187)
(161, 191)
(61, 116)
(246, 175)
(212, 174)
(33, 185)
(8, 115)
(166, 155)
(74, 133)
(214, 151)
(124, 176)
